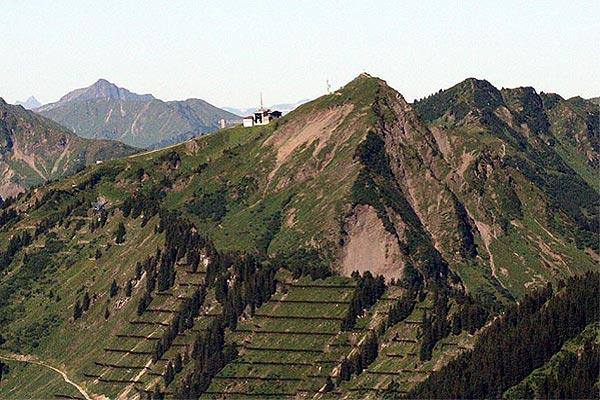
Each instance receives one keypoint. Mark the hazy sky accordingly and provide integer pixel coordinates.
(226, 52)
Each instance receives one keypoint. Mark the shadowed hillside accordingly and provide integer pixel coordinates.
(34, 150)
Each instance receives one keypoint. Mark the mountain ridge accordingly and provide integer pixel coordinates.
(105, 111)
(29, 104)
(34, 150)
(235, 253)
(101, 89)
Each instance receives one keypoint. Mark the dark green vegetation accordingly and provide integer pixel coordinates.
(34, 150)
(525, 338)
(104, 111)
(225, 266)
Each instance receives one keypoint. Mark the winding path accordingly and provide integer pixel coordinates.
(27, 359)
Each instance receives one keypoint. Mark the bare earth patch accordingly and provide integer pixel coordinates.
(442, 141)
(465, 161)
(319, 126)
(370, 247)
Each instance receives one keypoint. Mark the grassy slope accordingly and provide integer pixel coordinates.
(33, 381)
(232, 157)
(139, 123)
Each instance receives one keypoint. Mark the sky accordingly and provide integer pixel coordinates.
(228, 52)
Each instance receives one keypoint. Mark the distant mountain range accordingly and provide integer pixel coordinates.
(106, 111)
(102, 89)
(283, 107)
(29, 104)
(34, 149)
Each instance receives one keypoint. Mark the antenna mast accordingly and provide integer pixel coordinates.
(261, 102)
(328, 86)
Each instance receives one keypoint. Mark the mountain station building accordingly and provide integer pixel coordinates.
(261, 117)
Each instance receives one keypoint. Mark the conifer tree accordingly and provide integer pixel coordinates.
(120, 233)
(114, 288)
(4, 369)
(328, 385)
(77, 310)
(138, 270)
(169, 374)
(345, 370)
(86, 302)
(178, 364)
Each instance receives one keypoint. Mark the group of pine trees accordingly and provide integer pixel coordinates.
(435, 324)
(247, 283)
(524, 338)
(359, 360)
(210, 353)
(181, 322)
(14, 245)
(368, 290)
(575, 378)
(8, 215)
(81, 306)
(146, 203)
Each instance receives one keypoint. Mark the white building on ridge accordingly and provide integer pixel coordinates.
(261, 117)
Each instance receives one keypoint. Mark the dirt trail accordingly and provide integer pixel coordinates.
(30, 360)
(127, 390)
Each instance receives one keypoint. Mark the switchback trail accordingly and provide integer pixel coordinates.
(28, 359)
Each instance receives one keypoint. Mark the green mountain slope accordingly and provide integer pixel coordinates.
(514, 148)
(533, 334)
(223, 266)
(568, 373)
(104, 111)
(34, 150)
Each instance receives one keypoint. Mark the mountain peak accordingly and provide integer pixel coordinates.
(101, 89)
(29, 104)
(457, 101)
(361, 89)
